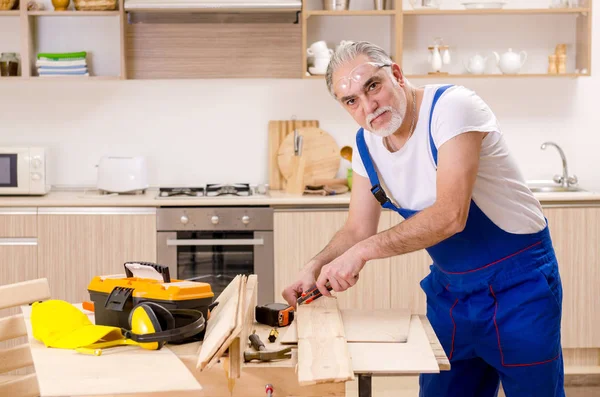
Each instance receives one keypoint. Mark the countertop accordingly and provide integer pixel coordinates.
(91, 198)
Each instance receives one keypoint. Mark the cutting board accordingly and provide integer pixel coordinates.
(321, 153)
(278, 130)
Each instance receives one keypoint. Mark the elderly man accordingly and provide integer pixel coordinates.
(436, 155)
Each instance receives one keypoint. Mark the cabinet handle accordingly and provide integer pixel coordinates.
(215, 242)
(18, 241)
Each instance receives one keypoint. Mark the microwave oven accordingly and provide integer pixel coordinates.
(23, 171)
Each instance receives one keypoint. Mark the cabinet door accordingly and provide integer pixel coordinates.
(76, 244)
(300, 235)
(407, 271)
(575, 234)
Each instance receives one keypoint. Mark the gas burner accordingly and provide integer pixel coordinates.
(181, 191)
(236, 189)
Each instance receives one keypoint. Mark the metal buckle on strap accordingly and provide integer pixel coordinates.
(379, 194)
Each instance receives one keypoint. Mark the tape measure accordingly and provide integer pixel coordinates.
(274, 314)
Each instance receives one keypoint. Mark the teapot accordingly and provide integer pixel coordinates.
(476, 64)
(510, 62)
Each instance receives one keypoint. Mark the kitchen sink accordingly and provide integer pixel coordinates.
(555, 189)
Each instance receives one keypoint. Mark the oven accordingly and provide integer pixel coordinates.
(214, 244)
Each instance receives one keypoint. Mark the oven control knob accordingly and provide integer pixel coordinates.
(35, 176)
(245, 219)
(184, 219)
(214, 219)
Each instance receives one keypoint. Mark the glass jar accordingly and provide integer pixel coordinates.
(9, 64)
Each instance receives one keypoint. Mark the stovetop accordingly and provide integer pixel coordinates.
(211, 190)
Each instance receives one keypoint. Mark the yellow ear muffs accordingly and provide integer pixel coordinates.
(149, 318)
(152, 325)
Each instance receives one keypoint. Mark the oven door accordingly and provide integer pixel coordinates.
(216, 257)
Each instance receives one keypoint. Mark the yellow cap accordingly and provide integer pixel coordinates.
(57, 323)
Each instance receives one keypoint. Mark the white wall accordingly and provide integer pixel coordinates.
(201, 131)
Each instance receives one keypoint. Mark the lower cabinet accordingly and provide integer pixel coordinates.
(300, 235)
(76, 244)
(575, 235)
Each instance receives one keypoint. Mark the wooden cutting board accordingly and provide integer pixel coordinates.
(321, 153)
(278, 130)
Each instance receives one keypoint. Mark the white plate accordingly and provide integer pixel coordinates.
(480, 5)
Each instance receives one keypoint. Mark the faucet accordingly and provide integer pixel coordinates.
(565, 180)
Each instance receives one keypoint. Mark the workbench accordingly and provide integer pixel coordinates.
(131, 371)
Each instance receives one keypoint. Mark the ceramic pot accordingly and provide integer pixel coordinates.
(61, 5)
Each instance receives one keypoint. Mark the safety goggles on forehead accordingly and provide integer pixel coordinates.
(357, 77)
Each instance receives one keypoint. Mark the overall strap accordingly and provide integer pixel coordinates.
(436, 96)
(376, 188)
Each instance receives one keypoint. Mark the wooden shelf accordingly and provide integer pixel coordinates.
(11, 13)
(478, 76)
(75, 78)
(498, 11)
(346, 13)
(73, 13)
(494, 75)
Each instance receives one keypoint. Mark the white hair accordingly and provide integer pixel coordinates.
(349, 51)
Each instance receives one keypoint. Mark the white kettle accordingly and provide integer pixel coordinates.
(510, 62)
(476, 64)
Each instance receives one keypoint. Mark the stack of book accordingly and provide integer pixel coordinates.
(62, 64)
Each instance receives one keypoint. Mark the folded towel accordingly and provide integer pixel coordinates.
(64, 75)
(62, 55)
(64, 71)
(60, 64)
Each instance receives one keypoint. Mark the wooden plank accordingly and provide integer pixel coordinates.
(12, 327)
(436, 346)
(24, 293)
(21, 386)
(366, 325)
(413, 357)
(237, 358)
(119, 370)
(15, 358)
(322, 352)
(221, 323)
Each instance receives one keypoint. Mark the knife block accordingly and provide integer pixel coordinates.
(295, 185)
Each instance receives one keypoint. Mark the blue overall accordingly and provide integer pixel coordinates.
(494, 299)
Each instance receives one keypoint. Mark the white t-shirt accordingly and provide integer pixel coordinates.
(409, 174)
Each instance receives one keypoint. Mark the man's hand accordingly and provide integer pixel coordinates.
(342, 272)
(305, 281)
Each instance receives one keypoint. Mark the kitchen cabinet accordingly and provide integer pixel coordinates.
(301, 234)
(575, 234)
(76, 244)
(18, 257)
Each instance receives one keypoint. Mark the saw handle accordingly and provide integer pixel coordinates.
(256, 342)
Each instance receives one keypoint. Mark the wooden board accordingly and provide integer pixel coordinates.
(322, 349)
(221, 323)
(321, 153)
(278, 130)
(119, 370)
(366, 325)
(415, 356)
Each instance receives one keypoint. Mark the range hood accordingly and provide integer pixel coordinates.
(225, 6)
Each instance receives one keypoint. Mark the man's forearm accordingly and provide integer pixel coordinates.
(420, 231)
(343, 240)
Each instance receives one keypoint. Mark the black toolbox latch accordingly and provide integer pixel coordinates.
(118, 298)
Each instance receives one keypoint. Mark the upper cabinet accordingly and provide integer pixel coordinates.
(163, 39)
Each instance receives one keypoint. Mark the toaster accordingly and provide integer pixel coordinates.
(122, 174)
